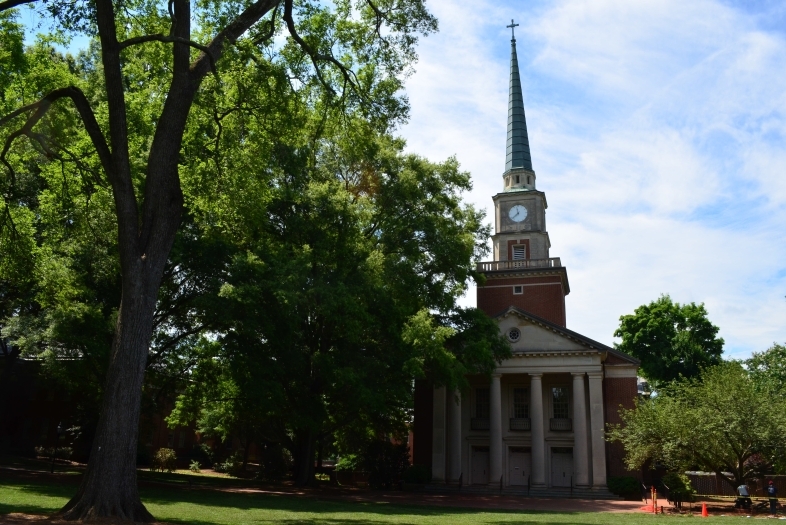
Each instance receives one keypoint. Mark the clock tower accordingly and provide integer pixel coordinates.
(522, 272)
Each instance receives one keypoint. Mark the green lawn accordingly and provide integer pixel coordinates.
(211, 507)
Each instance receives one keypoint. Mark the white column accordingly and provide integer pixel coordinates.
(538, 437)
(597, 429)
(438, 438)
(495, 430)
(580, 455)
(454, 436)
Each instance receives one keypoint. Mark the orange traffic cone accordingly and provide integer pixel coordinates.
(704, 513)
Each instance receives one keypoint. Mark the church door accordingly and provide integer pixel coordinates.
(480, 465)
(561, 466)
(520, 461)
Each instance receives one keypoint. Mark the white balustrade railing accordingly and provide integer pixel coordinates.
(496, 266)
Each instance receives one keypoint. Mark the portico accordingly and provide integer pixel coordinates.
(539, 421)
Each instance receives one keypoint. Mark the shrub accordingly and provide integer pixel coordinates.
(627, 487)
(195, 466)
(417, 474)
(164, 459)
(679, 486)
(60, 452)
(230, 465)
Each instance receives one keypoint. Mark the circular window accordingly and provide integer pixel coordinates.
(514, 334)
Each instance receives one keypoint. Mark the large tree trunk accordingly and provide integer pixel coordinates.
(304, 458)
(109, 487)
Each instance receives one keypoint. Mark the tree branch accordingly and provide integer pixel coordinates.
(158, 37)
(349, 75)
(379, 17)
(272, 29)
(230, 34)
(10, 4)
(42, 106)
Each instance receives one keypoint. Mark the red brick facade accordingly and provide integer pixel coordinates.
(542, 295)
(617, 391)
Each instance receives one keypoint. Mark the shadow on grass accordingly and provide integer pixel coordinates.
(25, 509)
(310, 510)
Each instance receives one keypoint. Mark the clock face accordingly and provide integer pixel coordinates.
(517, 213)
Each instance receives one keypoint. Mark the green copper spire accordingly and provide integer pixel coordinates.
(518, 155)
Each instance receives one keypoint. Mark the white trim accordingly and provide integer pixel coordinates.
(509, 285)
(547, 369)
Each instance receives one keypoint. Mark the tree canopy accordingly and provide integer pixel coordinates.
(769, 367)
(671, 340)
(340, 294)
(725, 422)
(115, 124)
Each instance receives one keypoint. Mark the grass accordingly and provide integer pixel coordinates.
(212, 507)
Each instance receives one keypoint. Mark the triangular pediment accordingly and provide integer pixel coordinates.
(536, 335)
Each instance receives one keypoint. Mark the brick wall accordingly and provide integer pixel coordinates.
(547, 300)
(617, 391)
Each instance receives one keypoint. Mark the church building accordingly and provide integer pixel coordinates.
(539, 424)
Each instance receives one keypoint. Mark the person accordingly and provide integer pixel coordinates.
(743, 498)
(772, 494)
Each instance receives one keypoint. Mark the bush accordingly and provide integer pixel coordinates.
(417, 474)
(164, 459)
(627, 487)
(195, 466)
(385, 463)
(59, 453)
(232, 465)
(350, 462)
(678, 486)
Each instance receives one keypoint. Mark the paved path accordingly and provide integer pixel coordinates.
(474, 501)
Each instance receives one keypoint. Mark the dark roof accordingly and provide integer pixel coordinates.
(568, 333)
(517, 153)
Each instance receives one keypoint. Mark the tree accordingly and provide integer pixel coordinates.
(59, 279)
(670, 339)
(769, 367)
(139, 160)
(724, 422)
(344, 291)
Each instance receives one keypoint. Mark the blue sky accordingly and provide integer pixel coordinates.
(657, 132)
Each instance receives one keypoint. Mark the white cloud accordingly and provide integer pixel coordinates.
(658, 132)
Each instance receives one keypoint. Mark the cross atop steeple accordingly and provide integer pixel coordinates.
(512, 27)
